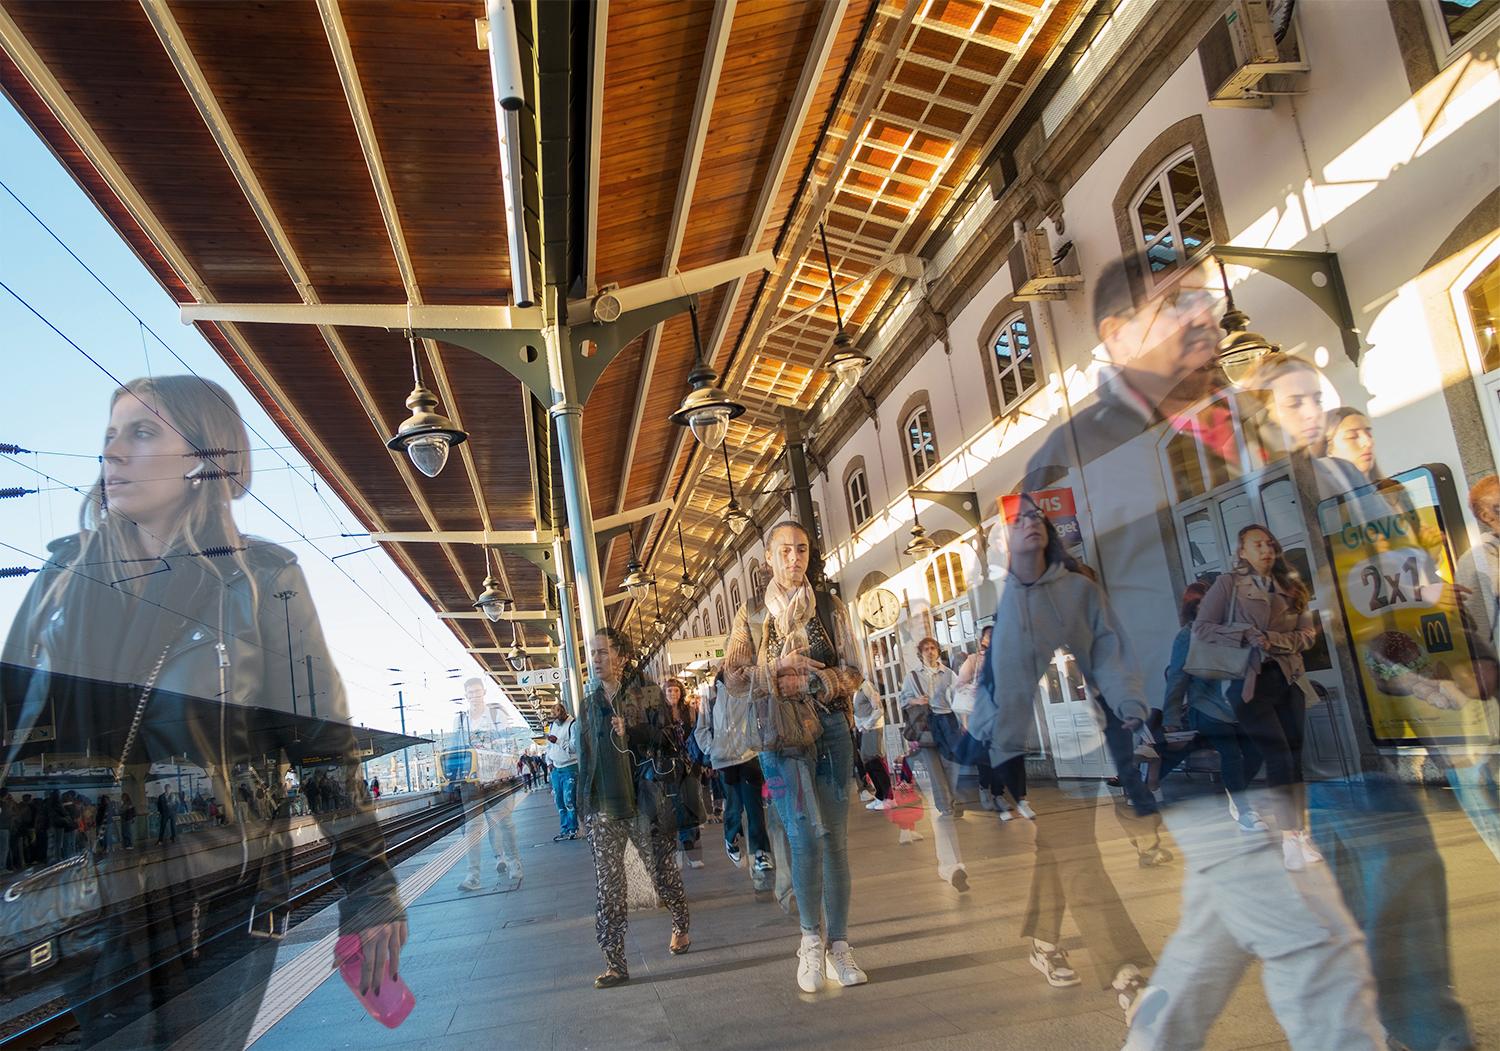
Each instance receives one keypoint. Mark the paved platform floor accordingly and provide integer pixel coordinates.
(513, 966)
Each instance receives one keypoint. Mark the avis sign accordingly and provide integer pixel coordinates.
(1058, 506)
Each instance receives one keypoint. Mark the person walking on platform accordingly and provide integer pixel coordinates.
(127, 822)
(800, 645)
(720, 733)
(686, 797)
(168, 815)
(1047, 603)
(869, 741)
(562, 752)
(624, 720)
(926, 695)
(482, 809)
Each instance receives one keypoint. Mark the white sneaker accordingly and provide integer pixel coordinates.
(1291, 854)
(879, 804)
(1006, 814)
(1129, 986)
(1024, 809)
(1053, 963)
(839, 966)
(501, 865)
(763, 862)
(472, 883)
(865, 795)
(515, 870)
(911, 836)
(810, 965)
(694, 864)
(1309, 852)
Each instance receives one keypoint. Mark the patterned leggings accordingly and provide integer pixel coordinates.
(608, 836)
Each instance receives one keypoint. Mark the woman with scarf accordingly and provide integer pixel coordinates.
(1046, 603)
(623, 726)
(926, 695)
(1271, 621)
(801, 645)
(155, 631)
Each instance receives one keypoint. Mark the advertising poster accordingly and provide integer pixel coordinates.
(1392, 561)
(1058, 506)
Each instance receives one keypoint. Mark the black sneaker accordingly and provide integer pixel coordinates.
(560, 837)
(733, 850)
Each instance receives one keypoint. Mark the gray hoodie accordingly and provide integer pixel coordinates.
(1061, 610)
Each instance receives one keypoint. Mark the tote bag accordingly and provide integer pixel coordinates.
(1218, 660)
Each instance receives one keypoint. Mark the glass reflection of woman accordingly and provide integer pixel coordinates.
(1046, 603)
(153, 632)
(801, 642)
(683, 720)
(1270, 705)
(930, 686)
(623, 722)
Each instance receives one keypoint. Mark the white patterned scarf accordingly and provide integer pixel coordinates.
(791, 607)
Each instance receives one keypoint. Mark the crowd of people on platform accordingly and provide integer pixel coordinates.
(1331, 878)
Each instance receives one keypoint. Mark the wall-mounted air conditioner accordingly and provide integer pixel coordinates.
(1255, 39)
(1036, 273)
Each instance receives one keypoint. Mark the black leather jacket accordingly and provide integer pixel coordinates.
(213, 644)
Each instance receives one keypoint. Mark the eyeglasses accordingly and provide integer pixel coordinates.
(1034, 516)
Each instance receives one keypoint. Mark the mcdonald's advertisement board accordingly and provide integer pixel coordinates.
(1391, 551)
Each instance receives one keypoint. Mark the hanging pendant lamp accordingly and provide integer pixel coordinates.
(707, 410)
(847, 363)
(426, 436)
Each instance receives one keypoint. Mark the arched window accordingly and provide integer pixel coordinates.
(696, 632)
(719, 608)
(760, 576)
(945, 578)
(1013, 362)
(734, 598)
(1168, 207)
(921, 445)
(859, 498)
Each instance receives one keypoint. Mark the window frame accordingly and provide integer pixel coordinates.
(1444, 48)
(1005, 325)
(719, 612)
(1159, 180)
(736, 600)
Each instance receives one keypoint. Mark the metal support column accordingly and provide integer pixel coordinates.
(796, 460)
(567, 659)
(567, 416)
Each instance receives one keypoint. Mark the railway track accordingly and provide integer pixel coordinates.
(49, 1023)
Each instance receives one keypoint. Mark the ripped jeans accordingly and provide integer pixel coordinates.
(811, 792)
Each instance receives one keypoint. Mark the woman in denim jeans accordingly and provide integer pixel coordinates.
(801, 643)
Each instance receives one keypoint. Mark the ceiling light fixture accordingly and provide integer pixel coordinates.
(425, 435)
(493, 602)
(921, 546)
(736, 516)
(685, 585)
(848, 363)
(1239, 351)
(707, 410)
(636, 582)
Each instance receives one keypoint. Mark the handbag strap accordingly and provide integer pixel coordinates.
(147, 688)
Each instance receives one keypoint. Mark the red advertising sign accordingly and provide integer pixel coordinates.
(1054, 503)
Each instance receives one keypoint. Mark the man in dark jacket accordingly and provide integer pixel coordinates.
(168, 814)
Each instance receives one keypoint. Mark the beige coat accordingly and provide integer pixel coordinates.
(1288, 634)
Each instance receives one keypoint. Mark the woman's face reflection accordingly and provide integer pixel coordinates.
(1353, 441)
(145, 461)
(1299, 407)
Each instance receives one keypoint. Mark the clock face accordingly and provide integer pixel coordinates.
(879, 607)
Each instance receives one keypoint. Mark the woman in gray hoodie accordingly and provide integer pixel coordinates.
(1047, 602)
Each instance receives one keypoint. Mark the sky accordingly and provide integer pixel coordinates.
(56, 316)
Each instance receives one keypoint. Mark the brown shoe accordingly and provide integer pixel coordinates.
(679, 944)
(609, 979)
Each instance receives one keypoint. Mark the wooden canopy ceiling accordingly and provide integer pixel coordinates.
(345, 151)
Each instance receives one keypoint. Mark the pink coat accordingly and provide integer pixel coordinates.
(1289, 634)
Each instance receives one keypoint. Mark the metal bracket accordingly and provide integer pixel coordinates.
(965, 505)
(521, 352)
(614, 337)
(1303, 271)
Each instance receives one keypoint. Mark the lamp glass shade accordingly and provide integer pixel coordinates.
(738, 520)
(850, 369)
(429, 453)
(921, 546)
(687, 587)
(638, 591)
(492, 609)
(709, 425)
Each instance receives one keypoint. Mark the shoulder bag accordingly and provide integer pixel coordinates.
(1219, 660)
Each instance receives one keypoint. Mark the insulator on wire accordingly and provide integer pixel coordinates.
(6, 494)
(209, 476)
(218, 552)
(16, 571)
(204, 454)
(12, 450)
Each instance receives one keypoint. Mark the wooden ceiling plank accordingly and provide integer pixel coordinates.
(791, 129)
(708, 90)
(171, 36)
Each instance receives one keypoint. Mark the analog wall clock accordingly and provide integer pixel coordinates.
(879, 608)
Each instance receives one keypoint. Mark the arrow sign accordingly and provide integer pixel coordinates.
(540, 677)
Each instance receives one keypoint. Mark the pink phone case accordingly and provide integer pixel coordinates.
(392, 1004)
